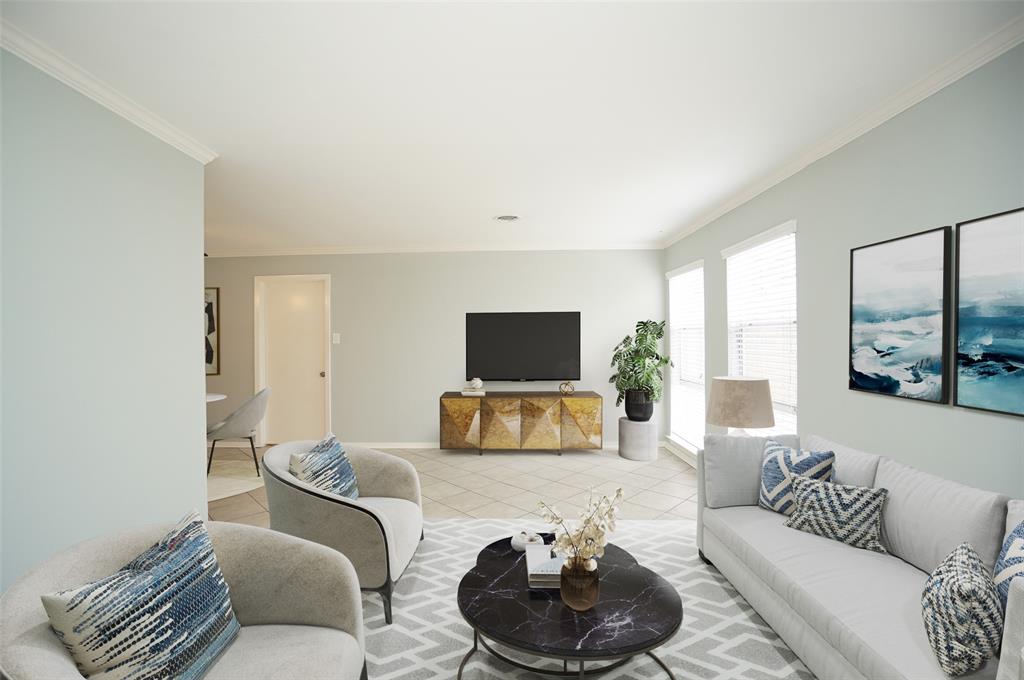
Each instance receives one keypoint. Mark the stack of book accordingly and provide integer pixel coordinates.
(470, 392)
(543, 570)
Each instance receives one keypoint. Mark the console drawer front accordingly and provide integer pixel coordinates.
(460, 422)
(499, 423)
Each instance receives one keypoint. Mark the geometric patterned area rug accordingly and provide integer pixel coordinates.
(721, 637)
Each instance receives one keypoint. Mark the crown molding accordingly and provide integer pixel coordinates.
(22, 45)
(449, 248)
(994, 45)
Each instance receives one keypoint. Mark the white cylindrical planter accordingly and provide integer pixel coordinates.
(638, 441)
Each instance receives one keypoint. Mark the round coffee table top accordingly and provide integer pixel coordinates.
(637, 610)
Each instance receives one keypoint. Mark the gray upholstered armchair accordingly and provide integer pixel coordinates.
(240, 425)
(379, 532)
(298, 603)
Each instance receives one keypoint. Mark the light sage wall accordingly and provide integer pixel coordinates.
(402, 324)
(955, 156)
(102, 276)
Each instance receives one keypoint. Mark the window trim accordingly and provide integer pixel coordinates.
(786, 228)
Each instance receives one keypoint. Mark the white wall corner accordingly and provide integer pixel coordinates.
(22, 45)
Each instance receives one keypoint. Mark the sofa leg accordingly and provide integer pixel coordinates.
(363, 676)
(422, 535)
(704, 559)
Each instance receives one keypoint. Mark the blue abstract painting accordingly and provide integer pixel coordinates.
(898, 300)
(990, 313)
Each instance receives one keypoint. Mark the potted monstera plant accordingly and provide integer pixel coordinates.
(639, 370)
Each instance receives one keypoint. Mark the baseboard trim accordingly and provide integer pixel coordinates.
(680, 451)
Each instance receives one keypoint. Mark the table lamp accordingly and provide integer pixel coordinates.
(741, 402)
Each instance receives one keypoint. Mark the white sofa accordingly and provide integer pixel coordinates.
(850, 613)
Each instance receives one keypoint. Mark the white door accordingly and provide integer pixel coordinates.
(295, 355)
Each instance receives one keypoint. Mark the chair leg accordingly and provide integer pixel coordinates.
(209, 460)
(385, 595)
(255, 462)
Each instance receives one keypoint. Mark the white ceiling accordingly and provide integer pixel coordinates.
(401, 127)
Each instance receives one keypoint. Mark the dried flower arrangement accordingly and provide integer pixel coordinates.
(584, 544)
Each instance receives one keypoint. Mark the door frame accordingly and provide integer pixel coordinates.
(260, 341)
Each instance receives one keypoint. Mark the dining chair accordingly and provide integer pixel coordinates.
(240, 425)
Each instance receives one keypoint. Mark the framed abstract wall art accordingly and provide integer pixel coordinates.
(899, 316)
(990, 313)
(211, 311)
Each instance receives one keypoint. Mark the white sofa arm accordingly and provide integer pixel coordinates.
(1011, 655)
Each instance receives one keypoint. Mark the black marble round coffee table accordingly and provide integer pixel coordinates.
(637, 611)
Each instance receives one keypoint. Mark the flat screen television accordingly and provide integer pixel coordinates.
(523, 346)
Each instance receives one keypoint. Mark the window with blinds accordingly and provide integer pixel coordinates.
(686, 340)
(761, 302)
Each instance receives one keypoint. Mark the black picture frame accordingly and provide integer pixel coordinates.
(947, 289)
(211, 316)
(955, 372)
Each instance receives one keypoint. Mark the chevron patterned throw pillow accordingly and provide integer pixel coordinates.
(1010, 564)
(848, 514)
(962, 614)
(781, 464)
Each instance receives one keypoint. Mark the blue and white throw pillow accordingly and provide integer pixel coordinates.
(1010, 564)
(165, 614)
(962, 614)
(326, 467)
(781, 464)
(848, 514)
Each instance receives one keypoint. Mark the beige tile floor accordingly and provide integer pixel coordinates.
(508, 485)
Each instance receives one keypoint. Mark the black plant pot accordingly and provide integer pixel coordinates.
(638, 406)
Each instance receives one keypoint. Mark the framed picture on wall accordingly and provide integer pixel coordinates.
(990, 313)
(899, 316)
(212, 343)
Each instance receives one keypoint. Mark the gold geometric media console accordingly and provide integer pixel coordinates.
(521, 420)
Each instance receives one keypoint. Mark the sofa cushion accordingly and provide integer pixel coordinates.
(732, 467)
(781, 465)
(865, 604)
(277, 652)
(166, 612)
(848, 514)
(962, 614)
(852, 467)
(404, 521)
(927, 516)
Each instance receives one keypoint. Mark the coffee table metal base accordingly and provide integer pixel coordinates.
(580, 672)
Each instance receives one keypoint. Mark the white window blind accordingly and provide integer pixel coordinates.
(686, 340)
(762, 321)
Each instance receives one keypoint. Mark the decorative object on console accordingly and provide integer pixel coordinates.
(639, 369)
(1010, 564)
(848, 514)
(739, 401)
(475, 388)
(166, 613)
(326, 467)
(567, 388)
(524, 538)
(781, 465)
(211, 312)
(990, 313)
(582, 546)
(899, 314)
(963, 617)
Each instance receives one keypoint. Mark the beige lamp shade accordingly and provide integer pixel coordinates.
(740, 402)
